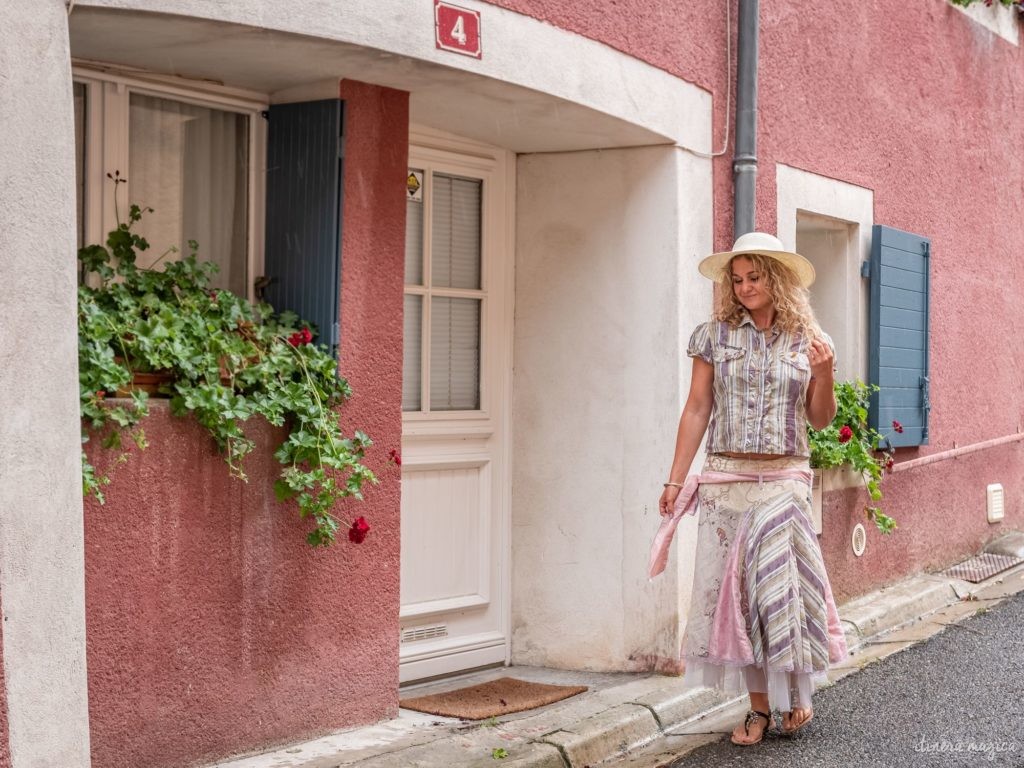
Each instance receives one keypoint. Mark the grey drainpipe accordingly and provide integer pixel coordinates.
(744, 164)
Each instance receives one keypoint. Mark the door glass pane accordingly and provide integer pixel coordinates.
(412, 353)
(79, 96)
(455, 242)
(414, 237)
(190, 164)
(454, 354)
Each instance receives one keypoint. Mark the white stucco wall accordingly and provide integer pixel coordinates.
(606, 295)
(41, 554)
(532, 73)
(996, 18)
(836, 245)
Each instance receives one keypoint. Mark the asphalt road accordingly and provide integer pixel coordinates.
(954, 700)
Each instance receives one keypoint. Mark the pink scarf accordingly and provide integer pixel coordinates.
(686, 504)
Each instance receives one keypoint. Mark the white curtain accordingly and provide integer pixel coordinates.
(190, 164)
(454, 354)
(455, 254)
(453, 337)
(414, 240)
(412, 353)
(455, 250)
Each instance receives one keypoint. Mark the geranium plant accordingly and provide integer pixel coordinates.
(223, 361)
(848, 440)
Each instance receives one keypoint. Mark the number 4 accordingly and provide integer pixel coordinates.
(459, 31)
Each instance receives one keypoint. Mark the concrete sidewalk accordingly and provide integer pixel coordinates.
(622, 713)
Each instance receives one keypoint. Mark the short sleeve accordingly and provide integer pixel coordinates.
(700, 343)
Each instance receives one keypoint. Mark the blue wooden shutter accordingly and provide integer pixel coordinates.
(303, 232)
(898, 337)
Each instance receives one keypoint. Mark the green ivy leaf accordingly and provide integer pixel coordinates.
(230, 361)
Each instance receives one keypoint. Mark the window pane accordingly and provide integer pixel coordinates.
(454, 354)
(412, 375)
(79, 96)
(455, 244)
(414, 238)
(190, 164)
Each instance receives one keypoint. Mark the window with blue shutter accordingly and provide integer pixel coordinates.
(303, 215)
(898, 335)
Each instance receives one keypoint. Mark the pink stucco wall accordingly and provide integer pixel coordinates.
(940, 509)
(918, 103)
(211, 626)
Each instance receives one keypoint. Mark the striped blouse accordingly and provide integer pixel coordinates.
(760, 387)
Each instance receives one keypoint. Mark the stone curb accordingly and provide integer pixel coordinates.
(894, 606)
(613, 732)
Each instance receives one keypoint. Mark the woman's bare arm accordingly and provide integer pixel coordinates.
(692, 424)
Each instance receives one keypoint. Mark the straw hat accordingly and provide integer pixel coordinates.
(766, 245)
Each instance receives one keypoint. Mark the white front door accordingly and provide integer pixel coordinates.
(455, 402)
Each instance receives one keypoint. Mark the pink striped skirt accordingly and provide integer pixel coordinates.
(762, 616)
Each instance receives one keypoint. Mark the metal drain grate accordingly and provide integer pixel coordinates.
(982, 567)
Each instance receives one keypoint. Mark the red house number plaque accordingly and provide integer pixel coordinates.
(457, 29)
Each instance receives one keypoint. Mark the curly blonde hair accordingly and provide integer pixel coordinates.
(791, 300)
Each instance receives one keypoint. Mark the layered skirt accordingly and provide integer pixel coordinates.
(762, 616)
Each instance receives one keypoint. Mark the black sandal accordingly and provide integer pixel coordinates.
(749, 720)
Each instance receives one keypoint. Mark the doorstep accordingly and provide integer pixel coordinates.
(625, 712)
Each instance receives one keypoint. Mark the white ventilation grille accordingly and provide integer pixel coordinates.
(424, 633)
(995, 503)
(859, 540)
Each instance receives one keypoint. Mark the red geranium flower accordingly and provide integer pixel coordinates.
(100, 394)
(358, 530)
(888, 463)
(897, 426)
(395, 456)
(845, 434)
(299, 338)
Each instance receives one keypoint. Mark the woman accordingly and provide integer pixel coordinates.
(762, 617)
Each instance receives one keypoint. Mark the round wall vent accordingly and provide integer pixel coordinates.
(859, 539)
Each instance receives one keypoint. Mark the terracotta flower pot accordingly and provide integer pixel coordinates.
(147, 382)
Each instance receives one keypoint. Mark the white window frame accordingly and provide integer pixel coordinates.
(107, 97)
(800, 191)
(434, 151)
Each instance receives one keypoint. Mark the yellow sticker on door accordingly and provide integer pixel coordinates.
(414, 186)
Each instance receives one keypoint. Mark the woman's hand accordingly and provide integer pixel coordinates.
(821, 396)
(668, 500)
(819, 354)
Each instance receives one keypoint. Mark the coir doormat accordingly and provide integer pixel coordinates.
(498, 697)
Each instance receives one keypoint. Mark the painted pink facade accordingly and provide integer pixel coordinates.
(930, 504)
(212, 627)
(923, 120)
